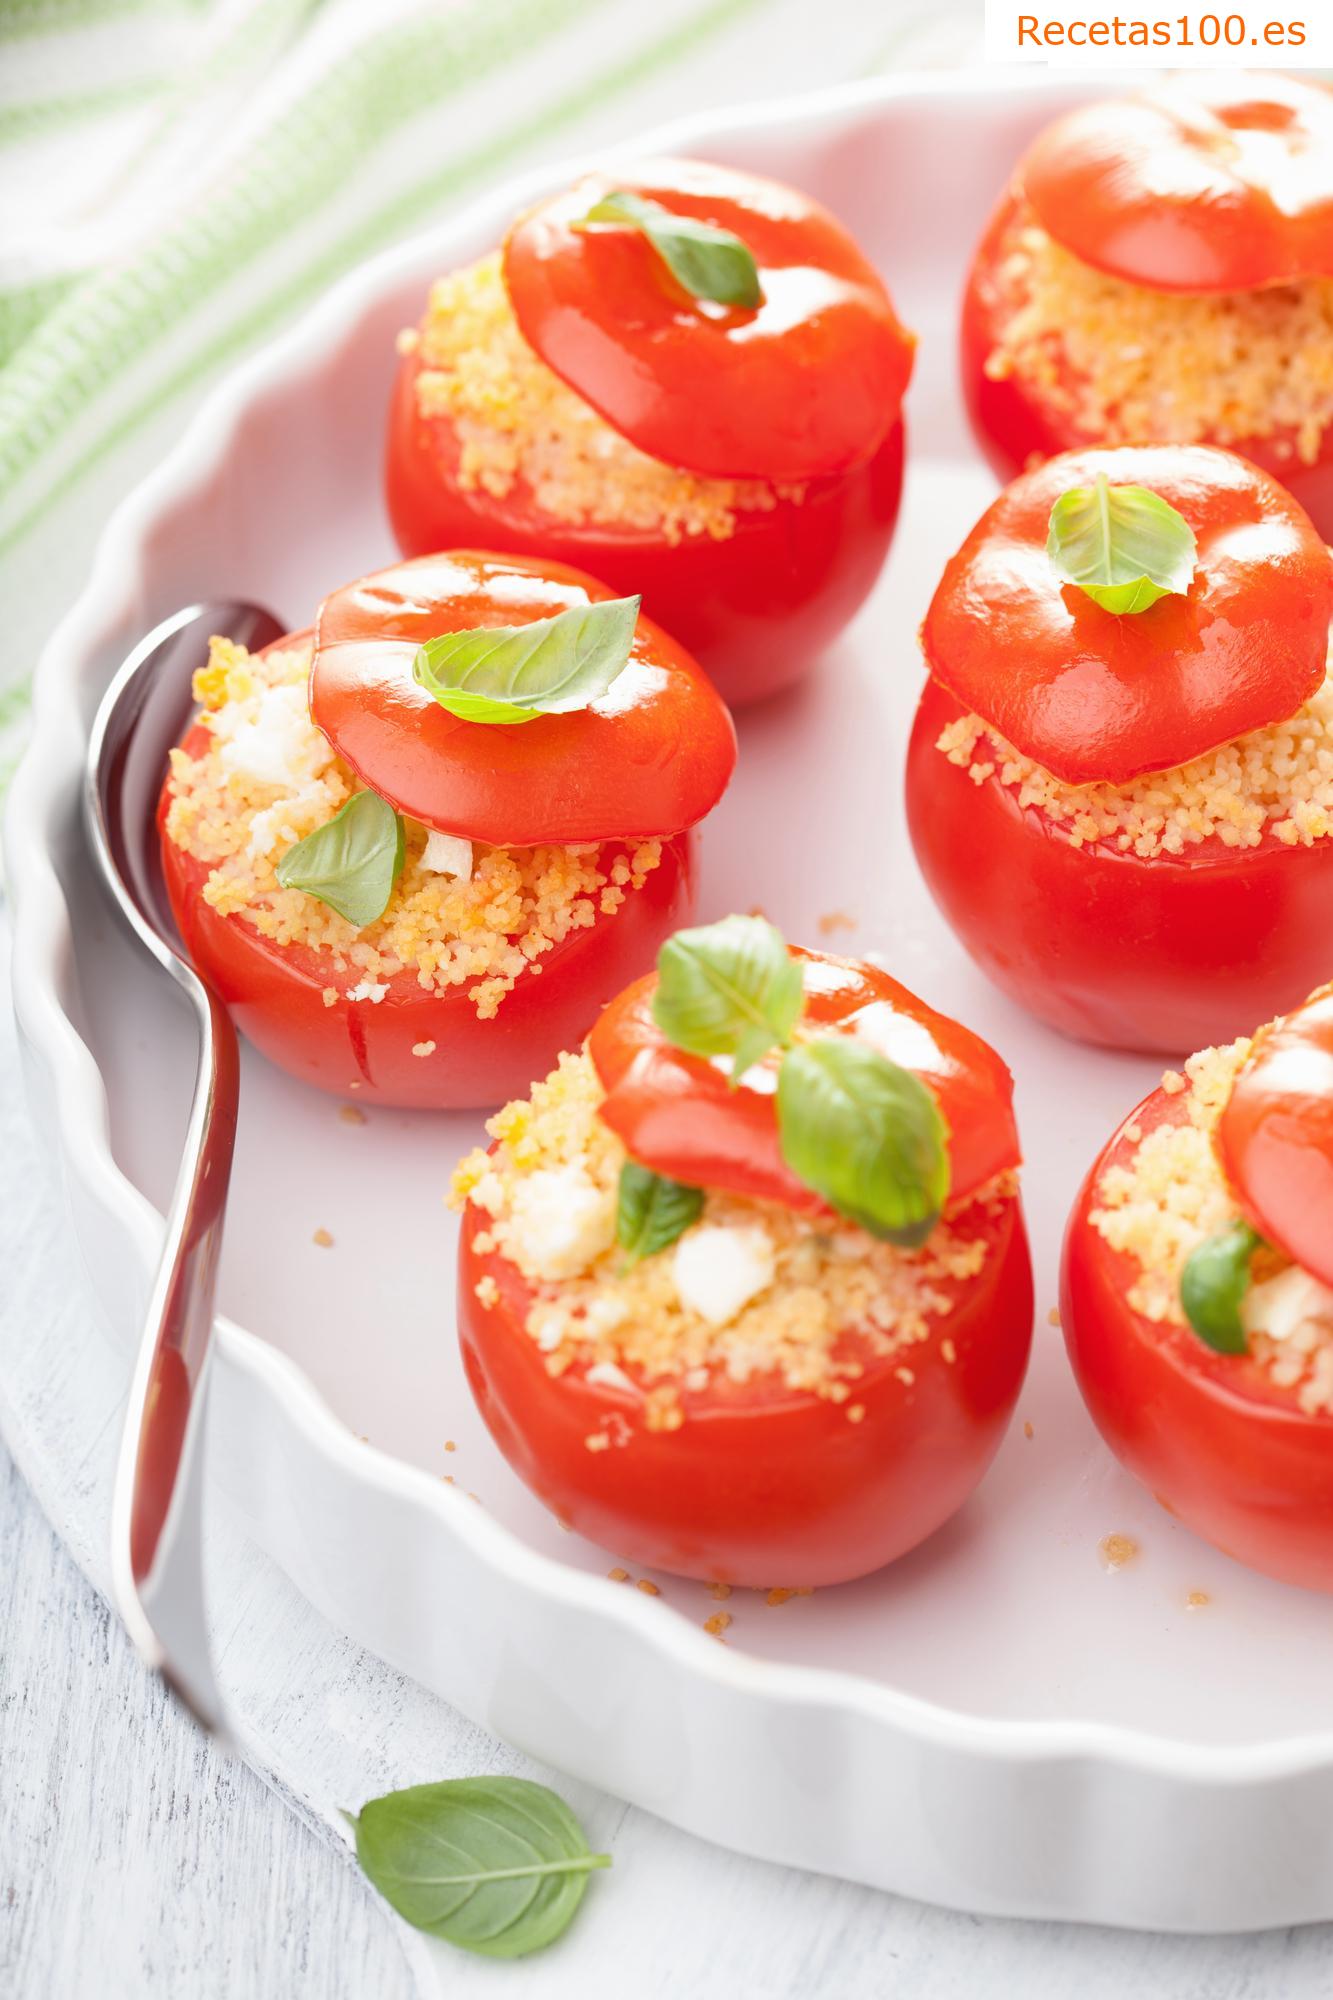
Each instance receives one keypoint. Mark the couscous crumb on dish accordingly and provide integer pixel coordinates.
(1118, 359)
(1161, 1201)
(517, 424)
(790, 1285)
(268, 777)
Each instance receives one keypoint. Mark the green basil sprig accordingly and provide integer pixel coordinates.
(1124, 546)
(351, 863)
(709, 263)
(494, 1865)
(1213, 1283)
(728, 989)
(864, 1133)
(514, 673)
(652, 1211)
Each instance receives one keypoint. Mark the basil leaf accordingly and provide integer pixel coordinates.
(866, 1135)
(709, 263)
(514, 673)
(352, 863)
(728, 989)
(1122, 545)
(652, 1211)
(1215, 1279)
(493, 1865)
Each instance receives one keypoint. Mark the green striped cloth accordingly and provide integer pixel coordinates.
(178, 178)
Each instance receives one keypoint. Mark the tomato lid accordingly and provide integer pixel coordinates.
(1092, 696)
(808, 382)
(649, 757)
(1209, 182)
(1275, 1136)
(680, 1115)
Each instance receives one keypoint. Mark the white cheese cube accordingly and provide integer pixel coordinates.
(1281, 1306)
(446, 854)
(560, 1222)
(278, 745)
(718, 1269)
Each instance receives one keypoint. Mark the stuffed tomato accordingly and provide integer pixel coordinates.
(685, 379)
(744, 1288)
(416, 848)
(1161, 269)
(1198, 1295)
(1120, 788)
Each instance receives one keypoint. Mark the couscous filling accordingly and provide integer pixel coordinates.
(749, 1289)
(1119, 360)
(1159, 1203)
(461, 913)
(1275, 783)
(519, 426)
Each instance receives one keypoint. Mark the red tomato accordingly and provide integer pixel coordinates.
(1017, 422)
(649, 757)
(1218, 1443)
(761, 1484)
(1208, 182)
(1275, 1137)
(805, 384)
(1160, 953)
(679, 1115)
(1089, 695)
(275, 992)
(754, 609)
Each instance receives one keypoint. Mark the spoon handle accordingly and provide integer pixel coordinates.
(156, 1538)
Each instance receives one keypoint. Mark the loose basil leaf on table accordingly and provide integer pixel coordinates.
(1124, 546)
(351, 863)
(514, 673)
(1213, 1283)
(494, 1865)
(728, 989)
(708, 262)
(652, 1211)
(865, 1134)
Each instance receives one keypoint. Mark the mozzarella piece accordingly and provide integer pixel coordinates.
(560, 1222)
(719, 1268)
(446, 854)
(370, 989)
(1281, 1306)
(278, 745)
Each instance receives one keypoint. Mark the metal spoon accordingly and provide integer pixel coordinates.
(156, 1543)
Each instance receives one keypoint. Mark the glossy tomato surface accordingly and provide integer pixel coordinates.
(1211, 1436)
(802, 385)
(1275, 1137)
(755, 609)
(761, 1484)
(1163, 953)
(275, 993)
(1017, 421)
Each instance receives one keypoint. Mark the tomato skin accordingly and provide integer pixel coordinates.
(1016, 425)
(754, 609)
(1160, 954)
(275, 994)
(1221, 1447)
(761, 1484)
(1275, 1136)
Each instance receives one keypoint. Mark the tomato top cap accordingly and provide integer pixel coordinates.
(1096, 697)
(1275, 1136)
(1209, 182)
(808, 382)
(646, 758)
(684, 1117)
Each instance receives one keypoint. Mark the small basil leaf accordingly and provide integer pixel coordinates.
(709, 263)
(494, 1865)
(1215, 1279)
(1123, 545)
(866, 1135)
(728, 989)
(352, 863)
(652, 1211)
(514, 673)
